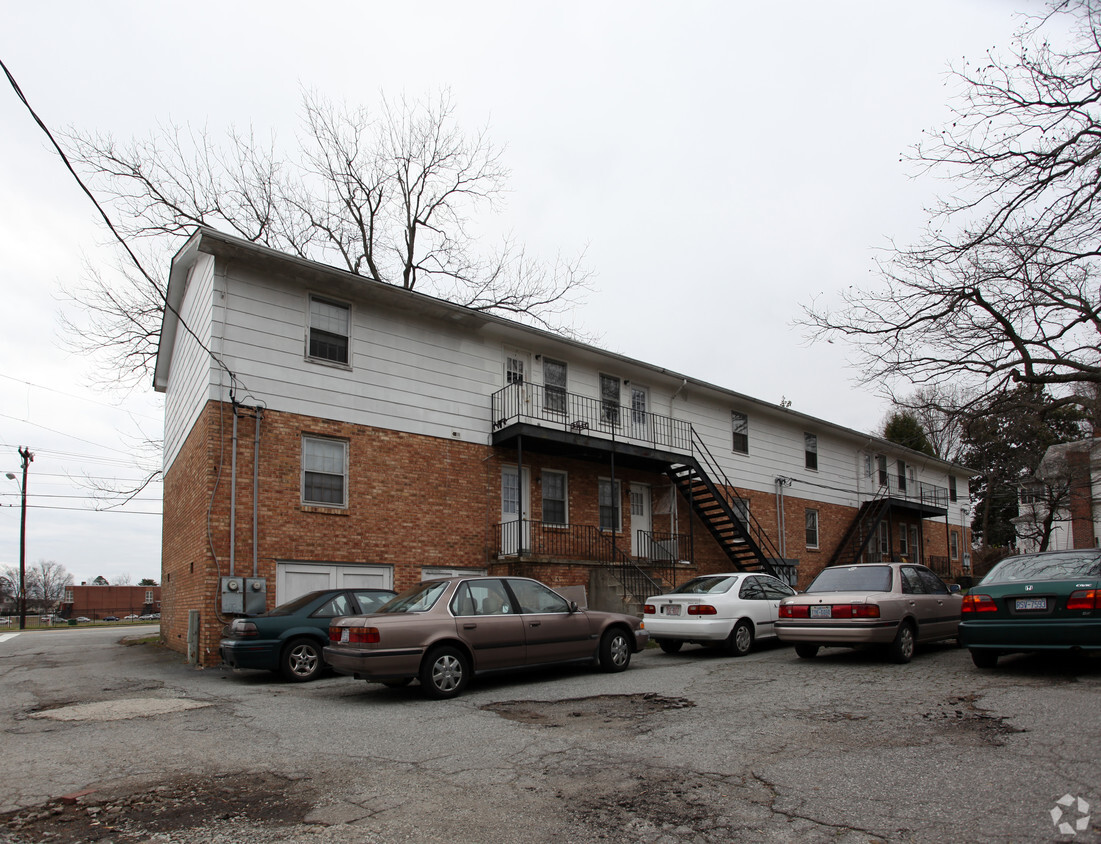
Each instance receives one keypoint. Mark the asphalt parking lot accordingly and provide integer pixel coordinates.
(109, 742)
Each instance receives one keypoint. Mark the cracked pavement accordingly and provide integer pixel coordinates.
(119, 743)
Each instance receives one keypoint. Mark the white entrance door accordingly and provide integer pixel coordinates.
(639, 423)
(515, 510)
(641, 517)
(293, 579)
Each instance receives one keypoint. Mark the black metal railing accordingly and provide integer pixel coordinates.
(550, 407)
(910, 490)
(664, 547)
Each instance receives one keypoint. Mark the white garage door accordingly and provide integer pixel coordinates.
(295, 578)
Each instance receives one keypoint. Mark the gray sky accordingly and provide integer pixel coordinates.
(721, 163)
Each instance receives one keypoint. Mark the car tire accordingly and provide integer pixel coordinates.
(615, 650)
(445, 673)
(901, 650)
(740, 640)
(806, 650)
(984, 657)
(670, 646)
(301, 660)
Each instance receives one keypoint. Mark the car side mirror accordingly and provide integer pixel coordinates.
(573, 606)
(953, 588)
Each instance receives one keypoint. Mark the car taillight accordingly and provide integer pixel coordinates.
(794, 611)
(978, 603)
(244, 629)
(702, 609)
(854, 611)
(1084, 599)
(649, 609)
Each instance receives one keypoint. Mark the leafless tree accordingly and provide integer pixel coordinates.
(942, 412)
(46, 582)
(1044, 499)
(1002, 289)
(392, 195)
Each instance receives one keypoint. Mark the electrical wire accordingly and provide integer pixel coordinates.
(110, 225)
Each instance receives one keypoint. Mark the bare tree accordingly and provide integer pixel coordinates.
(1044, 500)
(1002, 289)
(391, 195)
(46, 582)
(942, 412)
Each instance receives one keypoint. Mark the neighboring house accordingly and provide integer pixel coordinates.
(95, 601)
(322, 430)
(1060, 506)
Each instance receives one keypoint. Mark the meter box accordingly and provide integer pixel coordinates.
(256, 595)
(233, 595)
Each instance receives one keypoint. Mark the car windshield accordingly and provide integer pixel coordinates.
(853, 579)
(1066, 566)
(417, 599)
(706, 585)
(294, 606)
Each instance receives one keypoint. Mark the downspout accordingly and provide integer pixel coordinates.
(256, 500)
(520, 497)
(781, 482)
(233, 495)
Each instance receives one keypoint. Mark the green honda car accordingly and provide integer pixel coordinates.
(1032, 602)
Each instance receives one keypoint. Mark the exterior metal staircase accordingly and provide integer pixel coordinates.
(861, 531)
(711, 495)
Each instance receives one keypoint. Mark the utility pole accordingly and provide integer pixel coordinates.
(27, 457)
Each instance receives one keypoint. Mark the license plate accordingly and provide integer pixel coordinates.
(672, 609)
(821, 612)
(1031, 604)
(344, 635)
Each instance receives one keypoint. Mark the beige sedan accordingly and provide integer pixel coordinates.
(442, 631)
(893, 605)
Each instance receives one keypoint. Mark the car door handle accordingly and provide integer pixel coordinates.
(535, 623)
(470, 626)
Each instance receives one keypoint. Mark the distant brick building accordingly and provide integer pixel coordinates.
(96, 602)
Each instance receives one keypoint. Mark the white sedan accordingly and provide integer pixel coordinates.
(730, 610)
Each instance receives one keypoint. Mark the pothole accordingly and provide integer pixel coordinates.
(599, 712)
(962, 716)
(180, 803)
(118, 710)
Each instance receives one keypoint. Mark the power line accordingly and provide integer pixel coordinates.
(79, 398)
(122, 241)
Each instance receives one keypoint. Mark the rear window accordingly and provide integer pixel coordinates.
(705, 586)
(1061, 566)
(418, 599)
(291, 607)
(853, 579)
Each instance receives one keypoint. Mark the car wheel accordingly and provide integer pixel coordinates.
(670, 646)
(444, 673)
(806, 650)
(902, 648)
(740, 639)
(984, 658)
(615, 650)
(301, 660)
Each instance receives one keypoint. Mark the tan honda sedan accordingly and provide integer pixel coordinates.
(442, 631)
(893, 605)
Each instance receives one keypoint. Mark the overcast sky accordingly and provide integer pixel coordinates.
(721, 164)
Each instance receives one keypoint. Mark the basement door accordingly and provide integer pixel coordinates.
(294, 579)
(641, 517)
(515, 510)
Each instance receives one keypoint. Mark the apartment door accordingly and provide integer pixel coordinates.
(641, 516)
(515, 510)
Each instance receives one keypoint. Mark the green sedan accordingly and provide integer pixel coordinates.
(289, 639)
(1032, 602)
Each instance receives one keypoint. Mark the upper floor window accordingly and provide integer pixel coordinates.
(739, 424)
(952, 494)
(810, 451)
(609, 399)
(901, 476)
(881, 466)
(148, 596)
(514, 369)
(324, 471)
(554, 385)
(329, 323)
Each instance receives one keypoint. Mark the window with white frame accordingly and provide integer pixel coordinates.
(810, 451)
(881, 466)
(739, 425)
(608, 500)
(812, 527)
(609, 399)
(324, 471)
(554, 498)
(329, 331)
(954, 543)
(903, 541)
(952, 494)
(554, 385)
(148, 596)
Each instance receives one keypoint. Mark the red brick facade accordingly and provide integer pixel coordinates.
(412, 502)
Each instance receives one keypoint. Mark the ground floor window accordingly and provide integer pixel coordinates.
(954, 544)
(324, 471)
(811, 518)
(554, 498)
(610, 516)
